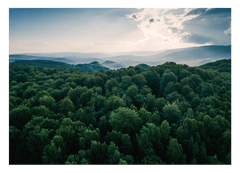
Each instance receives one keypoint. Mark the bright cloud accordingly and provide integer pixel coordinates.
(116, 30)
(228, 31)
(156, 23)
(169, 25)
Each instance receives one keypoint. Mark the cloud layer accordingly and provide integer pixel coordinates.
(179, 26)
(116, 30)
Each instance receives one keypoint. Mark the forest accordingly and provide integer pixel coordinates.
(165, 114)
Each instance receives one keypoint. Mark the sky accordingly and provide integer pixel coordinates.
(110, 30)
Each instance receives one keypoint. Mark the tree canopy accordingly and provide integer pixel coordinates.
(165, 114)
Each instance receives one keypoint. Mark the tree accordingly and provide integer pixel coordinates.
(151, 158)
(113, 153)
(145, 115)
(172, 113)
(19, 116)
(110, 84)
(114, 136)
(103, 125)
(145, 90)
(86, 97)
(47, 101)
(126, 82)
(41, 111)
(91, 135)
(132, 91)
(150, 101)
(131, 72)
(169, 88)
(58, 83)
(96, 155)
(168, 77)
(67, 132)
(187, 81)
(29, 92)
(42, 93)
(139, 80)
(139, 101)
(89, 81)
(153, 79)
(37, 140)
(122, 162)
(99, 82)
(14, 140)
(66, 105)
(165, 131)
(71, 160)
(73, 94)
(149, 137)
(114, 102)
(175, 152)
(156, 118)
(207, 90)
(160, 103)
(100, 102)
(173, 96)
(196, 79)
(55, 152)
(127, 147)
(187, 92)
(125, 120)
(202, 155)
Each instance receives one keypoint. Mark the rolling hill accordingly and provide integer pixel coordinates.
(92, 67)
(223, 65)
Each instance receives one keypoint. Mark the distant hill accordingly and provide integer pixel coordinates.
(108, 62)
(46, 63)
(92, 67)
(143, 65)
(194, 56)
(112, 64)
(15, 57)
(70, 55)
(223, 65)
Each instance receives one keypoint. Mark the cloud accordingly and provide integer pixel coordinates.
(218, 11)
(175, 30)
(151, 20)
(196, 26)
(211, 26)
(134, 16)
(194, 38)
(196, 11)
(228, 31)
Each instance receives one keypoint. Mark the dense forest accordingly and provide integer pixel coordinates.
(165, 114)
(91, 67)
(223, 65)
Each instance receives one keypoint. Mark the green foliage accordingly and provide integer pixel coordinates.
(73, 94)
(29, 92)
(19, 116)
(126, 82)
(151, 158)
(149, 137)
(66, 105)
(47, 101)
(165, 114)
(125, 120)
(175, 152)
(139, 80)
(172, 113)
